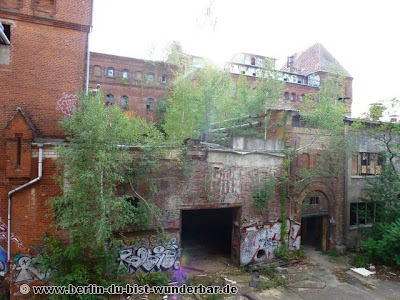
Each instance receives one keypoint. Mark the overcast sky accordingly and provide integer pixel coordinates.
(364, 36)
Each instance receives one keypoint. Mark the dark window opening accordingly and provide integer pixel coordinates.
(19, 148)
(314, 200)
(286, 96)
(109, 100)
(150, 104)
(7, 32)
(124, 102)
(253, 61)
(164, 78)
(362, 213)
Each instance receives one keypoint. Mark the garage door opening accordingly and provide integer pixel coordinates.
(207, 231)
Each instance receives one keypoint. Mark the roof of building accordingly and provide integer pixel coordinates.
(313, 59)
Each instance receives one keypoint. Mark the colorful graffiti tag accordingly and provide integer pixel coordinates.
(259, 242)
(3, 264)
(3, 235)
(25, 270)
(159, 258)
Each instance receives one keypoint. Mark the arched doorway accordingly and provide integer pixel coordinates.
(314, 221)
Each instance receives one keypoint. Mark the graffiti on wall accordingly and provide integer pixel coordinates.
(3, 264)
(66, 104)
(3, 235)
(159, 258)
(259, 242)
(25, 269)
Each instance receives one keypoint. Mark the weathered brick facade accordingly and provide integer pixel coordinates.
(46, 59)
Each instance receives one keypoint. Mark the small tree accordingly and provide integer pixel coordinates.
(93, 163)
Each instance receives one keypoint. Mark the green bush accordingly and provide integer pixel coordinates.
(387, 249)
(360, 261)
(154, 279)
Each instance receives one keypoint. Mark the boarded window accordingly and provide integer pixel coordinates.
(96, 71)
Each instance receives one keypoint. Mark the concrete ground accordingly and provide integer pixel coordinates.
(319, 276)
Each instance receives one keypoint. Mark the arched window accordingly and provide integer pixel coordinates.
(109, 99)
(125, 73)
(96, 71)
(150, 104)
(110, 72)
(139, 76)
(124, 102)
(301, 98)
(253, 61)
(292, 96)
(286, 96)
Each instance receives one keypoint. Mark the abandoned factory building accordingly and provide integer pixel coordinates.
(207, 202)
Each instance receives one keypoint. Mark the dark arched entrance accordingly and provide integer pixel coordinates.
(314, 221)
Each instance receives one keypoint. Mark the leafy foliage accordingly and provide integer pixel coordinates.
(263, 194)
(94, 162)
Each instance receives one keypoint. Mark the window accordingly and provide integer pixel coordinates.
(150, 77)
(124, 102)
(362, 213)
(150, 104)
(253, 61)
(365, 163)
(125, 74)
(292, 96)
(301, 98)
(97, 71)
(5, 34)
(109, 100)
(44, 8)
(286, 96)
(138, 76)
(110, 72)
(164, 78)
(313, 200)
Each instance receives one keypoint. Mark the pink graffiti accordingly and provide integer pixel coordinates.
(3, 235)
(66, 104)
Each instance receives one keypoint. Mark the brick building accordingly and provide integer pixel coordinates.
(139, 85)
(43, 66)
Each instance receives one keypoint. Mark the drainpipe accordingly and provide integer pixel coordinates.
(10, 193)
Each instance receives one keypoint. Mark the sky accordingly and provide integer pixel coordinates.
(364, 36)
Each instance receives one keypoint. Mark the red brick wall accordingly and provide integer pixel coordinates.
(138, 91)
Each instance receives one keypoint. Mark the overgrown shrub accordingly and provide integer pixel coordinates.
(154, 279)
(263, 194)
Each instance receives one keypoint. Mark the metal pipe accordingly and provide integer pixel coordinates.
(10, 193)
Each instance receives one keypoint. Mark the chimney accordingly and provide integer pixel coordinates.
(290, 63)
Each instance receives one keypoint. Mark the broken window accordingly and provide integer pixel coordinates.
(292, 96)
(150, 104)
(125, 74)
(138, 76)
(365, 163)
(286, 96)
(124, 102)
(150, 77)
(164, 78)
(301, 97)
(362, 213)
(110, 72)
(253, 61)
(5, 34)
(109, 100)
